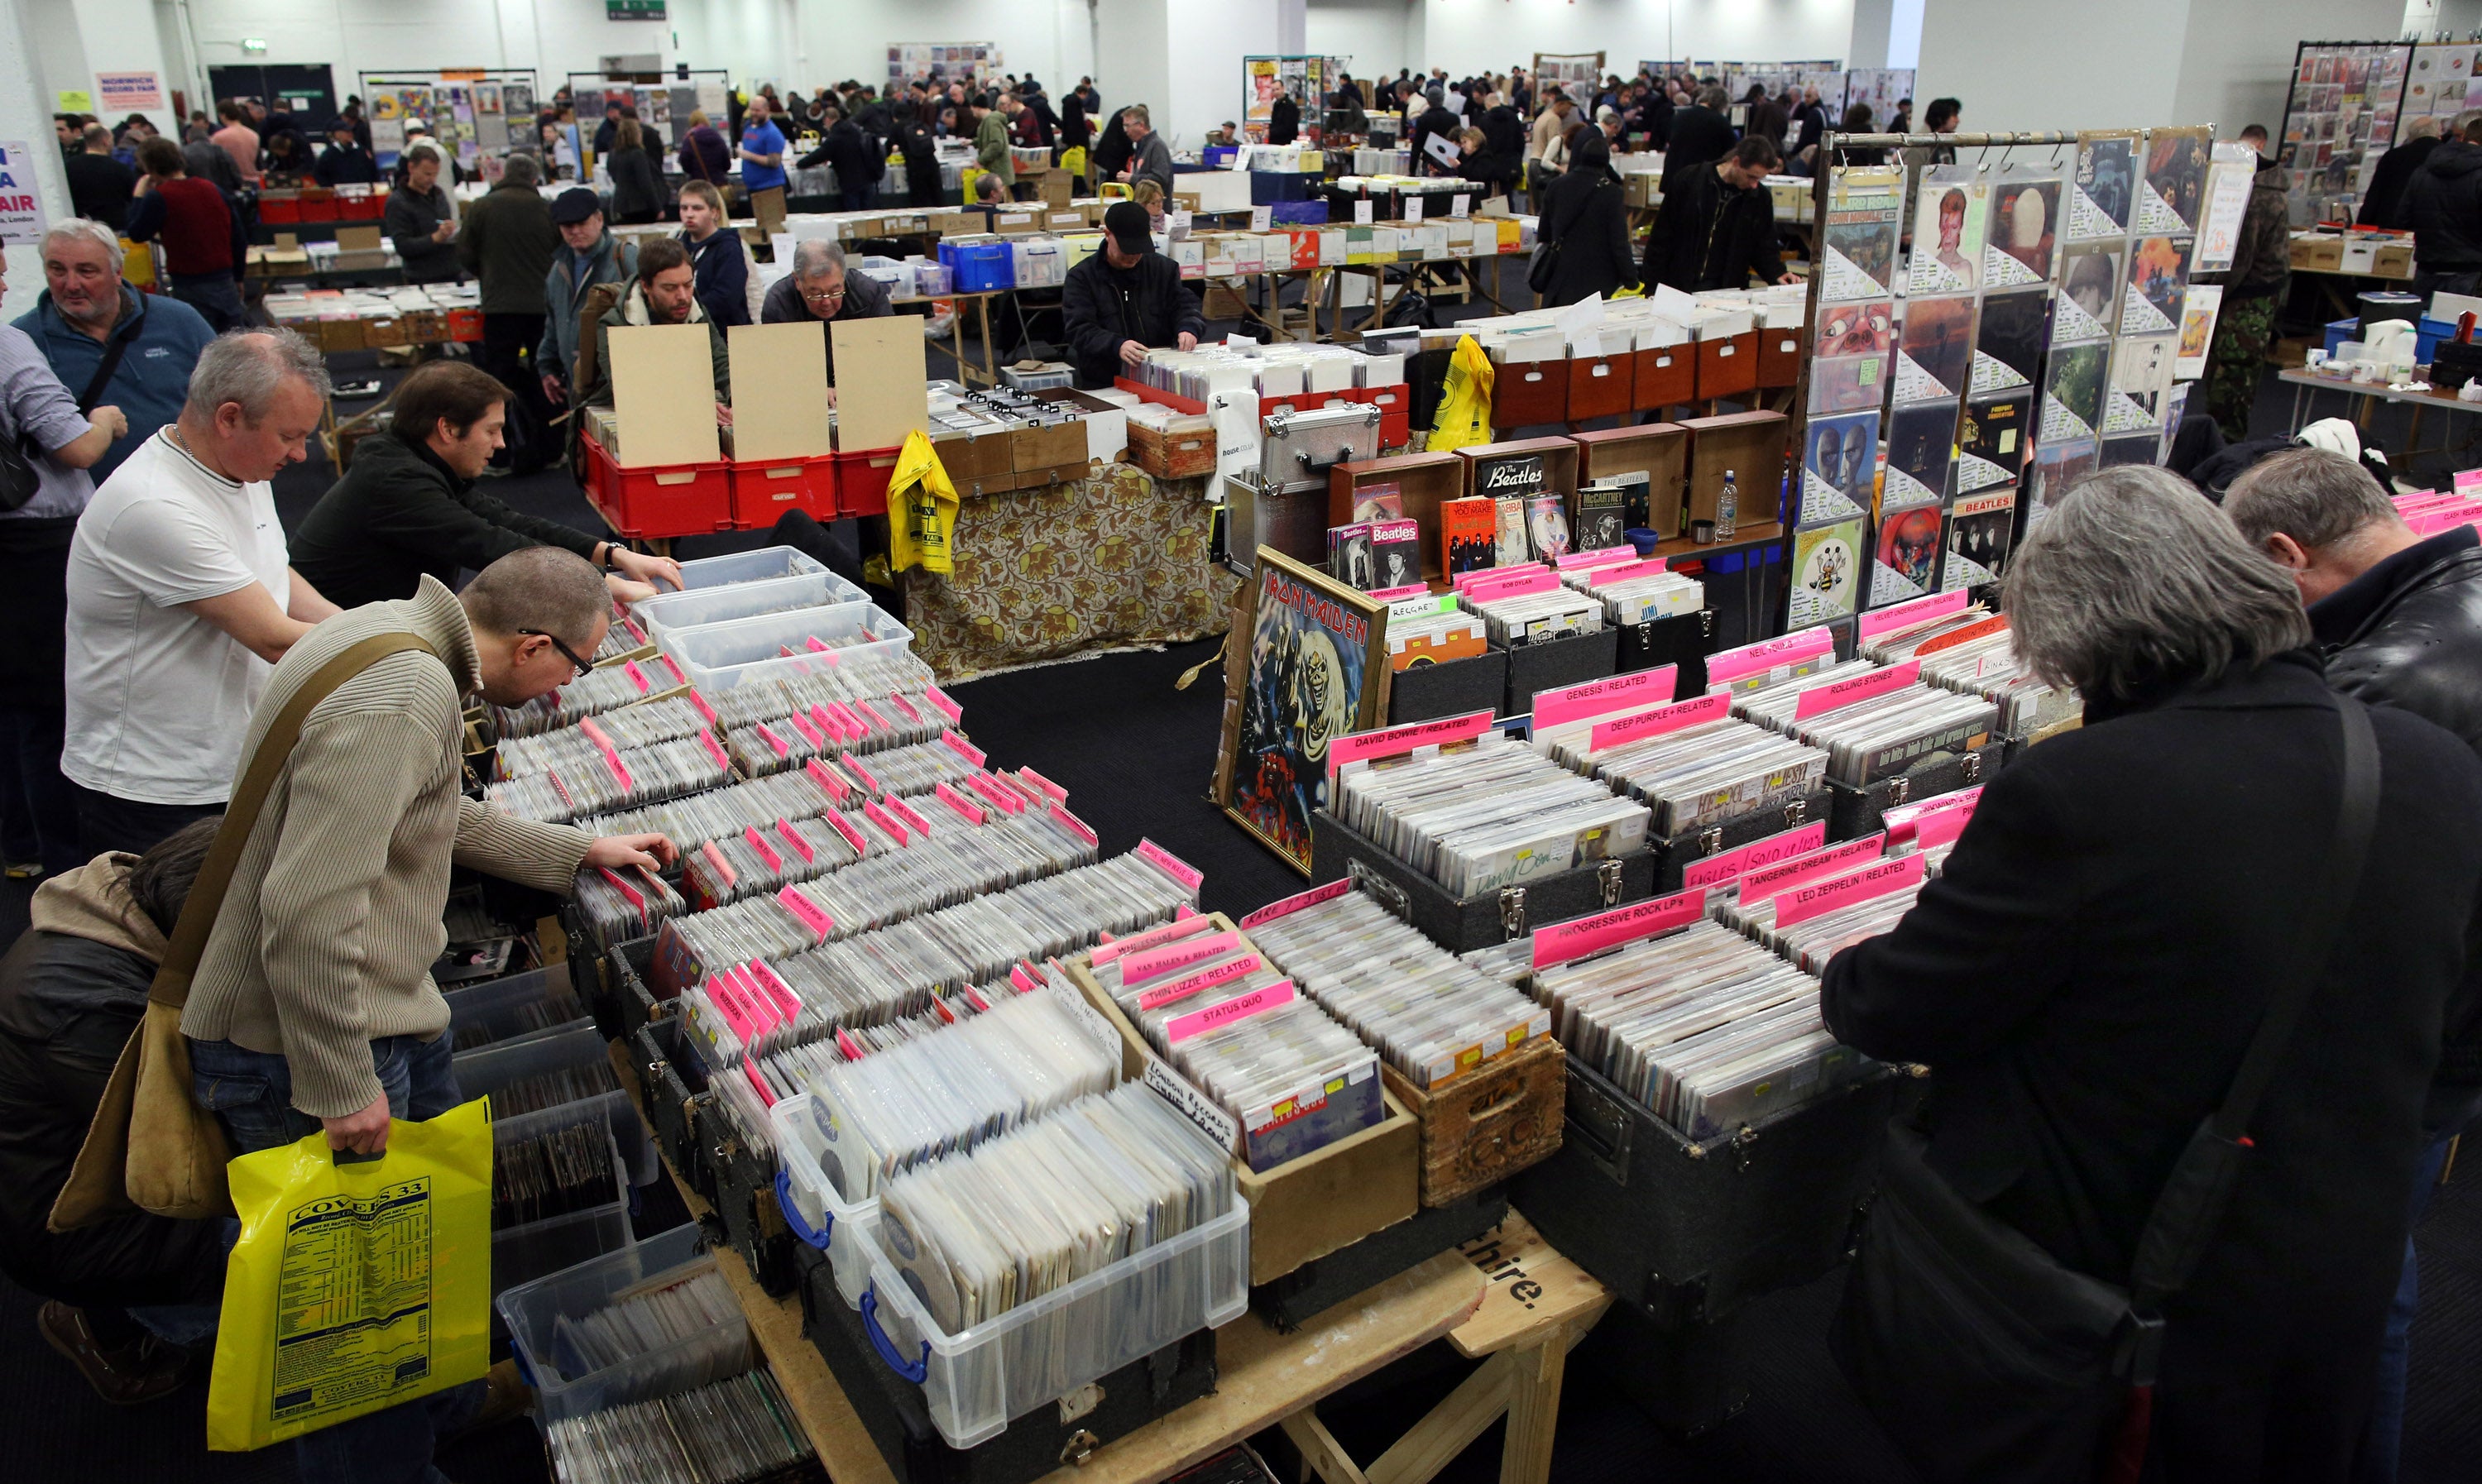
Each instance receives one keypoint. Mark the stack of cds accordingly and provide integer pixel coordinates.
(1537, 618)
(1430, 1015)
(667, 720)
(553, 1088)
(623, 639)
(865, 677)
(739, 1431)
(1704, 1026)
(614, 780)
(1875, 738)
(692, 822)
(1700, 775)
(662, 1311)
(1489, 815)
(942, 1092)
(908, 771)
(617, 907)
(553, 1173)
(830, 728)
(602, 689)
(1036, 1209)
(784, 1073)
(1230, 1022)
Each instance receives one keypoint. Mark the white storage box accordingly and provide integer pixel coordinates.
(746, 567)
(778, 647)
(814, 1209)
(668, 611)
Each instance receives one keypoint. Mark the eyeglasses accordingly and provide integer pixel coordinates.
(581, 665)
(823, 295)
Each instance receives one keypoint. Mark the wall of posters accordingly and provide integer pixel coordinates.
(1308, 79)
(2342, 112)
(957, 61)
(1569, 72)
(1882, 89)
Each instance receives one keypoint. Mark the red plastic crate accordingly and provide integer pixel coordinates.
(360, 206)
(273, 208)
(1395, 406)
(658, 501)
(764, 490)
(861, 480)
(465, 324)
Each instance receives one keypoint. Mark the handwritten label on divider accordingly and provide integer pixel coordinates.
(1595, 697)
(1767, 653)
(1717, 870)
(1997, 623)
(1188, 876)
(1299, 902)
(2466, 479)
(1515, 584)
(1627, 571)
(1819, 700)
(1680, 715)
(1463, 582)
(1921, 610)
(1821, 897)
(1399, 595)
(1783, 875)
(1388, 741)
(1599, 556)
(1934, 822)
(1168, 932)
(1563, 942)
(1204, 979)
(1154, 963)
(1240, 1007)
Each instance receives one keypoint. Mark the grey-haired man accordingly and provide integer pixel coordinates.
(819, 289)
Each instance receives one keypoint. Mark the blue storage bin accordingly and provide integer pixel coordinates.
(979, 267)
(1269, 187)
(2340, 331)
(1218, 156)
(1301, 213)
(2427, 332)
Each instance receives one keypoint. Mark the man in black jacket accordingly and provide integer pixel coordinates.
(2444, 206)
(1717, 226)
(820, 291)
(1113, 147)
(1700, 134)
(1125, 300)
(2399, 618)
(71, 991)
(2084, 973)
(847, 150)
(1434, 120)
(408, 506)
(2382, 203)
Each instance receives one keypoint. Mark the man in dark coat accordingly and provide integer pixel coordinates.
(508, 242)
(2382, 203)
(2086, 971)
(71, 991)
(1700, 134)
(847, 150)
(1717, 226)
(2399, 618)
(1585, 218)
(821, 290)
(1435, 120)
(1113, 147)
(410, 506)
(2442, 205)
(1125, 300)
(1284, 119)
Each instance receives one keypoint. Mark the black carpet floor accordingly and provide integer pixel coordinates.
(1135, 756)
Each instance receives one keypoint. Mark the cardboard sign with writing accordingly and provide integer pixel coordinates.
(881, 389)
(779, 391)
(663, 389)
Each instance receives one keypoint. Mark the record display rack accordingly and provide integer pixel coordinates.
(2343, 103)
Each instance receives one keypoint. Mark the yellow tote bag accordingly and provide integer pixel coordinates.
(1465, 400)
(922, 509)
(355, 1287)
(1073, 159)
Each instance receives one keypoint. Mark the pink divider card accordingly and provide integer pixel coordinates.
(1290, 905)
(1083, 830)
(1464, 581)
(2466, 479)
(1595, 698)
(1821, 897)
(1933, 822)
(1022, 978)
(1002, 799)
(1389, 741)
(1391, 594)
(681, 677)
(1599, 556)
(784, 748)
(758, 1083)
(715, 750)
(619, 770)
(970, 813)
(886, 822)
(1819, 700)
(715, 858)
(860, 770)
(1767, 653)
(1905, 615)
(632, 894)
(846, 1043)
(1624, 571)
(912, 816)
(947, 706)
(1157, 959)
(1170, 932)
(1048, 788)
(1172, 865)
(594, 733)
(793, 838)
(786, 1000)
(1783, 875)
(1563, 942)
(808, 729)
(1186, 985)
(637, 676)
(905, 707)
(1680, 716)
(1717, 870)
(766, 852)
(1239, 1007)
(870, 714)
(810, 913)
(703, 709)
(829, 779)
(964, 749)
(853, 836)
(1515, 583)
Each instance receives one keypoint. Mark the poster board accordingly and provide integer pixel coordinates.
(882, 388)
(663, 391)
(1881, 89)
(1567, 72)
(779, 391)
(2341, 114)
(474, 112)
(954, 61)
(1308, 79)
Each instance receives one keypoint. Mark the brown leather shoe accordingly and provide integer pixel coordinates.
(125, 1377)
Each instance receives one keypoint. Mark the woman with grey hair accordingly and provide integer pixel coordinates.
(2086, 972)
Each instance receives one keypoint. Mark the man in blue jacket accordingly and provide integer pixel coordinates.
(87, 316)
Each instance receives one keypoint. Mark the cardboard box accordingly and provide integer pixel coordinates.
(1065, 219)
(2319, 251)
(340, 333)
(955, 224)
(1014, 222)
(2391, 260)
(381, 330)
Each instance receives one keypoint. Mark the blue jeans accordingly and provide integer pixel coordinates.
(252, 1093)
(2382, 1434)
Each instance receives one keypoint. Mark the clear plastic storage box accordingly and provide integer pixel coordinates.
(533, 1313)
(520, 1255)
(1039, 1352)
(757, 566)
(668, 611)
(494, 1014)
(781, 645)
(813, 1209)
(481, 1073)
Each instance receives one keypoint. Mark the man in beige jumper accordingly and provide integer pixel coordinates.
(313, 1007)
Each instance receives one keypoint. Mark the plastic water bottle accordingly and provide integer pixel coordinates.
(1728, 507)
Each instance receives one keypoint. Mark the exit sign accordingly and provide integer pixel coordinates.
(633, 10)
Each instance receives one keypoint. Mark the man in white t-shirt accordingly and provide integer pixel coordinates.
(180, 598)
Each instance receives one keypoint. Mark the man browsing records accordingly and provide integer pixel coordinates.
(821, 289)
(1718, 230)
(1125, 300)
(666, 293)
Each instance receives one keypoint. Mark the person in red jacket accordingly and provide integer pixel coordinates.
(205, 244)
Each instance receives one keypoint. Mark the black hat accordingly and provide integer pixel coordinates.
(574, 206)
(1130, 227)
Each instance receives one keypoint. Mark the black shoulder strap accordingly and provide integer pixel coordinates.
(113, 349)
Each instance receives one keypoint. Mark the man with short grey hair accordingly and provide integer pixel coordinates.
(181, 596)
(1149, 157)
(509, 243)
(109, 344)
(2399, 619)
(820, 291)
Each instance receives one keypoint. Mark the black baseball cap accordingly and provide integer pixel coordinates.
(1131, 228)
(574, 206)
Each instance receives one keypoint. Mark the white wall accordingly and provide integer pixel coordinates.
(2237, 65)
(1370, 33)
(1471, 35)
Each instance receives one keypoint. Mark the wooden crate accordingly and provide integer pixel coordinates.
(1482, 1126)
(1177, 456)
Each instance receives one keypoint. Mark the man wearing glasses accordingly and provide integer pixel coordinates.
(819, 290)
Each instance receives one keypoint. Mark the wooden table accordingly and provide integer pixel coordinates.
(2336, 296)
(989, 372)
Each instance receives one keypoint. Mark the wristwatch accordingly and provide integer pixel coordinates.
(609, 547)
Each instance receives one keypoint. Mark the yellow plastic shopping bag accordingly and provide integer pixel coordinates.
(355, 1287)
(1465, 400)
(1073, 159)
(921, 508)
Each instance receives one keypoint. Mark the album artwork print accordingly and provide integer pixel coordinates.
(2073, 386)
(1951, 219)
(2105, 185)
(1827, 573)
(2089, 304)
(1978, 532)
(2008, 340)
(1908, 556)
(1991, 440)
(2159, 284)
(2175, 189)
(1934, 348)
(1316, 669)
(1922, 441)
(1840, 466)
(2024, 230)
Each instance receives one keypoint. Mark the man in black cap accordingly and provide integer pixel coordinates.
(588, 256)
(1125, 300)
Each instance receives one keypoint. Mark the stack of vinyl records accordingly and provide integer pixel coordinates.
(740, 1431)
(1490, 815)
(1973, 652)
(1639, 597)
(1537, 618)
(1697, 775)
(1877, 737)
(695, 820)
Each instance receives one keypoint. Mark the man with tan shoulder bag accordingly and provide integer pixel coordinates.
(300, 967)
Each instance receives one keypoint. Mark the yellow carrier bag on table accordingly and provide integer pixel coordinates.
(1465, 400)
(355, 1286)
